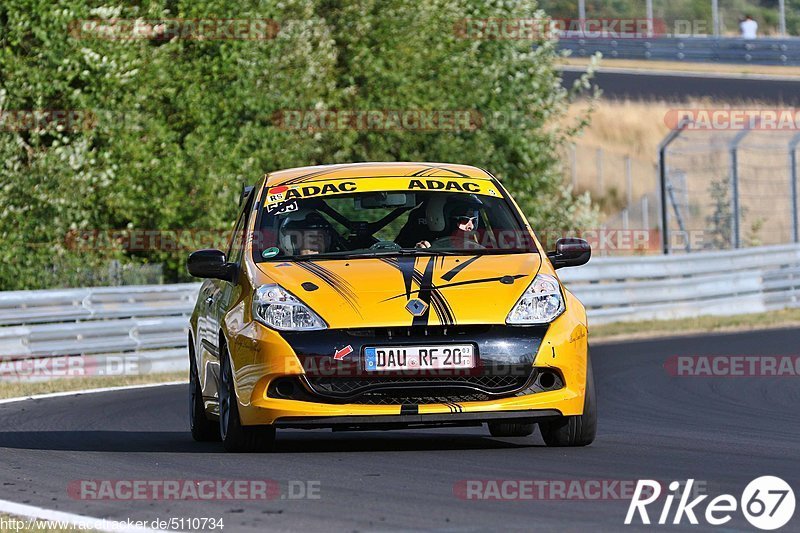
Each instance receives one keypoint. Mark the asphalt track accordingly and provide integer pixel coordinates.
(723, 431)
(680, 87)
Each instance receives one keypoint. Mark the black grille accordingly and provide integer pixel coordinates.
(385, 390)
(356, 385)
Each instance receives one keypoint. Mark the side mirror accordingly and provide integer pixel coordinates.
(570, 253)
(211, 264)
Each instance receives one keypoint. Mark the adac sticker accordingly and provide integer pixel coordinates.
(344, 352)
(270, 252)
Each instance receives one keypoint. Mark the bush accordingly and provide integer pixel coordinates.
(182, 124)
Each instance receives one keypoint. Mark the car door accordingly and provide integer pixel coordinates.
(218, 299)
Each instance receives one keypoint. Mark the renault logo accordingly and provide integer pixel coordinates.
(416, 307)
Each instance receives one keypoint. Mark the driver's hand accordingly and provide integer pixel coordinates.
(422, 244)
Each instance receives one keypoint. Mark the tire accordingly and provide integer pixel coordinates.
(576, 430)
(203, 429)
(511, 429)
(236, 437)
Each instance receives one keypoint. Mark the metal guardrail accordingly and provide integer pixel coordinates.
(147, 324)
(747, 280)
(151, 322)
(761, 51)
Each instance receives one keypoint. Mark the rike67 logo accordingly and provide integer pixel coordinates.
(767, 503)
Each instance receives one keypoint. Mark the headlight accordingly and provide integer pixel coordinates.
(276, 308)
(541, 302)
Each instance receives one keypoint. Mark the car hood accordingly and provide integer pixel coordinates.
(378, 292)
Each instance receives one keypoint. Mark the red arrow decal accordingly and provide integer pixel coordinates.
(341, 354)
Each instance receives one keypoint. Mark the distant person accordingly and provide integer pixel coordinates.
(748, 27)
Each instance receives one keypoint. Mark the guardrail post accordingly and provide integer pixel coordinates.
(662, 171)
(793, 186)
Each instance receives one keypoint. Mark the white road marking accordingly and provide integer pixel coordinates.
(76, 520)
(63, 519)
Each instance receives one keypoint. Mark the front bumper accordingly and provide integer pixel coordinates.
(402, 421)
(262, 357)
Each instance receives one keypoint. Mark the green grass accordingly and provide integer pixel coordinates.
(686, 326)
(14, 389)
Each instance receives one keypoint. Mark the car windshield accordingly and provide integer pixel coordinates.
(386, 223)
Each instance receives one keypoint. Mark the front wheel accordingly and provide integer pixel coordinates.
(203, 429)
(576, 430)
(235, 436)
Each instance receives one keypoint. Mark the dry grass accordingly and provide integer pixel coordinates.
(634, 129)
(700, 68)
(692, 326)
(15, 389)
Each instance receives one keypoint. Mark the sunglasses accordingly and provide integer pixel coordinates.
(465, 219)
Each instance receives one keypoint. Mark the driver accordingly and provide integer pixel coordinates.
(305, 232)
(457, 218)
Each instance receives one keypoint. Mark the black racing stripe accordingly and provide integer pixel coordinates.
(406, 265)
(334, 281)
(407, 268)
(426, 172)
(457, 283)
(318, 173)
(419, 172)
(482, 280)
(439, 302)
(425, 293)
(458, 268)
(442, 307)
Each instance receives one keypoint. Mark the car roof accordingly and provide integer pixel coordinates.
(366, 170)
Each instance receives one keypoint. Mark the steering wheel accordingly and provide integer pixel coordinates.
(444, 242)
(385, 245)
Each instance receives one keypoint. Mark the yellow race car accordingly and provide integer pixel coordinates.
(381, 296)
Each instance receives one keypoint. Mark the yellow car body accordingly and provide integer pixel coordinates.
(364, 302)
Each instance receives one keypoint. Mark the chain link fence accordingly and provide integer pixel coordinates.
(729, 189)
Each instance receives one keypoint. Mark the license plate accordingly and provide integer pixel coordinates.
(385, 358)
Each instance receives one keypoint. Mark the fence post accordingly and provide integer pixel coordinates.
(645, 213)
(662, 171)
(629, 181)
(793, 186)
(734, 171)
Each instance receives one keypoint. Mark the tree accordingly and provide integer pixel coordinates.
(182, 123)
